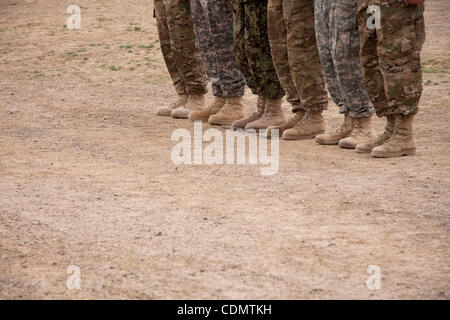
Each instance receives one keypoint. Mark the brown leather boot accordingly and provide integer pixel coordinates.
(362, 133)
(232, 110)
(334, 137)
(309, 126)
(167, 110)
(260, 106)
(195, 102)
(287, 125)
(379, 140)
(204, 114)
(401, 143)
(273, 116)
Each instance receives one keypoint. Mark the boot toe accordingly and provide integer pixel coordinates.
(198, 116)
(163, 112)
(180, 113)
(326, 140)
(348, 143)
(364, 148)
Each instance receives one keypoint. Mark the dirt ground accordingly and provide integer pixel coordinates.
(86, 179)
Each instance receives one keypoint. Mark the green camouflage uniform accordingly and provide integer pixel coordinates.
(252, 49)
(390, 56)
(295, 55)
(177, 39)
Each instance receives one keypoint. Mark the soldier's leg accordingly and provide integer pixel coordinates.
(203, 32)
(305, 68)
(239, 44)
(346, 44)
(324, 33)
(399, 45)
(401, 38)
(261, 63)
(202, 26)
(164, 40)
(278, 38)
(187, 56)
(372, 77)
(230, 78)
(347, 61)
(169, 58)
(221, 23)
(277, 31)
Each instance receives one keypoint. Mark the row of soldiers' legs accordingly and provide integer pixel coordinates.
(276, 51)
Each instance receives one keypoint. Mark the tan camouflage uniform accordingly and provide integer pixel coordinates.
(295, 55)
(177, 39)
(390, 56)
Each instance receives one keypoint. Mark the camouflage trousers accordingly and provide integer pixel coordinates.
(252, 49)
(390, 55)
(213, 24)
(295, 55)
(338, 42)
(177, 39)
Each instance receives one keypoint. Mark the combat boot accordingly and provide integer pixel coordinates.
(260, 106)
(167, 111)
(379, 140)
(401, 143)
(204, 114)
(308, 127)
(334, 137)
(232, 110)
(288, 125)
(195, 102)
(273, 116)
(362, 133)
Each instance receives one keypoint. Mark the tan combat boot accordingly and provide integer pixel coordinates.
(260, 106)
(362, 133)
(382, 138)
(401, 143)
(334, 137)
(273, 116)
(288, 125)
(167, 111)
(204, 114)
(232, 110)
(195, 102)
(309, 126)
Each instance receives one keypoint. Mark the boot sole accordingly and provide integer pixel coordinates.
(312, 136)
(199, 119)
(221, 123)
(407, 152)
(325, 143)
(363, 151)
(347, 146)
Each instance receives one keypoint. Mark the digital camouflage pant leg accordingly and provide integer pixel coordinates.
(295, 55)
(252, 49)
(177, 39)
(213, 22)
(338, 42)
(390, 56)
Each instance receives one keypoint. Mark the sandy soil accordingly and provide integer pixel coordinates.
(86, 179)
